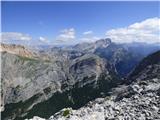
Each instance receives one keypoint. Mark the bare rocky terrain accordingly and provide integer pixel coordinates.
(43, 82)
(137, 100)
(16, 49)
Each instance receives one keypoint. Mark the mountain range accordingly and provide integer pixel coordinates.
(138, 99)
(41, 82)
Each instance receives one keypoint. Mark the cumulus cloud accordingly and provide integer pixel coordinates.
(89, 36)
(90, 39)
(66, 35)
(88, 32)
(11, 36)
(145, 31)
(42, 39)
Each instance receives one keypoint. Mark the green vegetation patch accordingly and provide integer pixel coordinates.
(48, 61)
(66, 112)
(17, 109)
(27, 59)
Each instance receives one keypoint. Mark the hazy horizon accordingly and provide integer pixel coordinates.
(69, 23)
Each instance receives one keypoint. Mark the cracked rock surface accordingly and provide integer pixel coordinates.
(136, 100)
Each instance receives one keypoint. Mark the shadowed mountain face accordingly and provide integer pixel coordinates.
(35, 86)
(124, 57)
(123, 60)
(138, 99)
(46, 81)
(148, 67)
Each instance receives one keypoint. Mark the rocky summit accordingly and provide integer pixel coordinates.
(100, 80)
(35, 83)
(16, 49)
(138, 100)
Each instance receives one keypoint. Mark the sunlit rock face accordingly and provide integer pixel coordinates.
(41, 83)
(136, 99)
(16, 49)
(28, 82)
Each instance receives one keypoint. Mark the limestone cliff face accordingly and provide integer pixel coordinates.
(138, 99)
(43, 82)
(16, 49)
(27, 81)
(119, 56)
(149, 66)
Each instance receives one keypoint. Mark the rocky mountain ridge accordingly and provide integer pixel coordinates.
(27, 82)
(17, 50)
(56, 78)
(138, 100)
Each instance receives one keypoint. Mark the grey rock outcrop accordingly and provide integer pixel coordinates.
(138, 100)
(28, 81)
(44, 82)
(16, 49)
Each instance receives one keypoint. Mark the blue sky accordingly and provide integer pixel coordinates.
(51, 19)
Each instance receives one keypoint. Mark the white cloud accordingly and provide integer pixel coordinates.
(145, 31)
(11, 36)
(88, 32)
(66, 35)
(42, 39)
(90, 39)
(88, 36)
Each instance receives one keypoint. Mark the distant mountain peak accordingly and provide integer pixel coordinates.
(91, 47)
(16, 49)
(105, 40)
